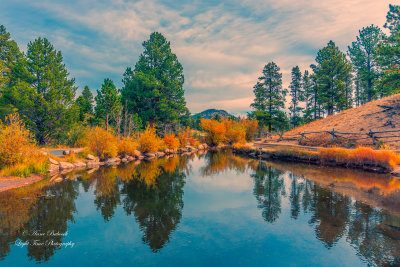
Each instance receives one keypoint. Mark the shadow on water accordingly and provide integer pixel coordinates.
(358, 207)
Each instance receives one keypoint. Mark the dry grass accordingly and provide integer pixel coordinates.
(360, 156)
(379, 115)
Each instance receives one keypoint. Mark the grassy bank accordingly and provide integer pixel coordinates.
(360, 158)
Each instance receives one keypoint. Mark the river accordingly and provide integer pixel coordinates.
(210, 209)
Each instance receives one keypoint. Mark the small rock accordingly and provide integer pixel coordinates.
(396, 172)
(112, 160)
(124, 160)
(59, 179)
(150, 155)
(160, 154)
(54, 168)
(53, 161)
(91, 157)
(66, 165)
(130, 158)
(79, 164)
(200, 147)
(137, 153)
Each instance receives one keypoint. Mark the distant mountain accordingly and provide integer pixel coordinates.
(210, 113)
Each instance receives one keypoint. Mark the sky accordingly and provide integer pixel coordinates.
(222, 45)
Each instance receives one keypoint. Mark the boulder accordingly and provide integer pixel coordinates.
(160, 154)
(66, 165)
(79, 164)
(124, 160)
(200, 147)
(137, 153)
(150, 155)
(54, 168)
(140, 158)
(92, 164)
(396, 172)
(91, 157)
(112, 161)
(130, 158)
(53, 161)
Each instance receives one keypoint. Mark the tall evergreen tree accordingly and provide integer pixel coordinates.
(47, 102)
(85, 104)
(388, 53)
(331, 72)
(270, 98)
(297, 94)
(108, 102)
(142, 95)
(158, 61)
(13, 60)
(363, 56)
(309, 96)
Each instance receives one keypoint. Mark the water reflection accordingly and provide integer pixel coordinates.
(339, 205)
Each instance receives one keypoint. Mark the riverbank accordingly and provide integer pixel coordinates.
(367, 159)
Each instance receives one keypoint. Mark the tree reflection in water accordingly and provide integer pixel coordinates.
(152, 192)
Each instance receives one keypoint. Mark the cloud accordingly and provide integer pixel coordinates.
(222, 45)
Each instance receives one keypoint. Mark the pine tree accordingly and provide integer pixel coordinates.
(13, 61)
(85, 104)
(158, 61)
(331, 72)
(46, 103)
(297, 94)
(270, 98)
(388, 53)
(107, 102)
(308, 97)
(363, 56)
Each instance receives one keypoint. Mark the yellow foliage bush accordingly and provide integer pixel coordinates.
(216, 131)
(149, 141)
(102, 143)
(184, 136)
(15, 141)
(127, 146)
(235, 132)
(251, 127)
(171, 141)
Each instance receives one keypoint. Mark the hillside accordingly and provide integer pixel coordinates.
(210, 113)
(378, 115)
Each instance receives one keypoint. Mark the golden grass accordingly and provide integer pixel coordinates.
(360, 156)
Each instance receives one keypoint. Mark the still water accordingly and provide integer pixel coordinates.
(214, 209)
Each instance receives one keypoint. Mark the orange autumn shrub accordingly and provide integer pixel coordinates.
(360, 156)
(149, 141)
(215, 130)
(16, 141)
(171, 142)
(251, 127)
(102, 143)
(184, 136)
(235, 132)
(127, 146)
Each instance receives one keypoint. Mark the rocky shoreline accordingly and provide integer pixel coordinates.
(91, 161)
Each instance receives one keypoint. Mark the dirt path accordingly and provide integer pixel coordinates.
(15, 182)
